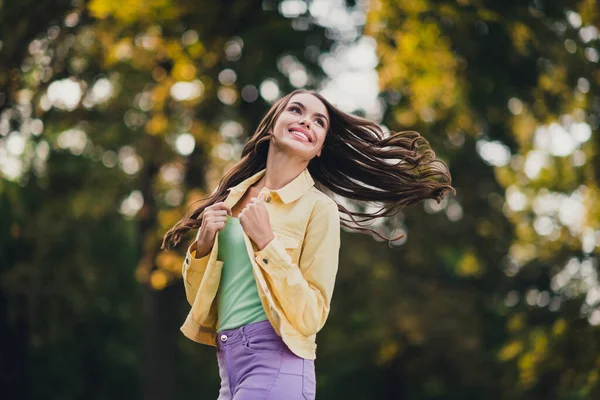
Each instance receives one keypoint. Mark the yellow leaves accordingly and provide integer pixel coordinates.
(157, 124)
(101, 9)
(530, 360)
(168, 217)
(183, 71)
(559, 327)
(448, 10)
(405, 117)
(210, 59)
(588, 9)
(554, 80)
(160, 93)
(381, 270)
(510, 350)
(525, 231)
(120, 51)
(540, 342)
(414, 6)
(196, 50)
(142, 271)
(516, 323)
(485, 228)
(406, 42)
(168, 269)
(591, 199)
(526, 366)
(133, 10)
(387, 352)
(531, 353)
(158, 279)
(523, 129)
(505, 176)
(521, 35)
(522, 252)
(417, 60)
(174, 50)
(488, 15)
(158, 74)
(169, 261)
(423, 65)
(469, 265)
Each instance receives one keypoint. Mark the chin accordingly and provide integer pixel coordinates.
(295, 150)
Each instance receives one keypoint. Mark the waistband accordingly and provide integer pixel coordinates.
(236, 335)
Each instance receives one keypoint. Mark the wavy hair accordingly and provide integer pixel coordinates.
(359, 161)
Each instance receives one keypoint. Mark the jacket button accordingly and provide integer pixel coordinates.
(223, 338)
(268, 199)
(265, 261)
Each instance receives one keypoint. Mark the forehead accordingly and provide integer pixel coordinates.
(312, 104)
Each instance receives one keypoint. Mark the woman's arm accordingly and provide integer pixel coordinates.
(193, 270)
(304, 291)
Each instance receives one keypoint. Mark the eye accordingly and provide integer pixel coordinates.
(320, 121)
(292, 108)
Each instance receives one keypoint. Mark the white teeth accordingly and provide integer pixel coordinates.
(300, 134)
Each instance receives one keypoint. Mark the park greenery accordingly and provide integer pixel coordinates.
(115, 116)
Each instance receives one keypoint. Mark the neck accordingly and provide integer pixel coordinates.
(281, 169)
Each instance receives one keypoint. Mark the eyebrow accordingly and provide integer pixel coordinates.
(304, 108)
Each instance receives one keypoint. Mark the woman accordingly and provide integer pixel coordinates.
(261, 272)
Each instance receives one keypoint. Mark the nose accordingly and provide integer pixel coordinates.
(304, 122)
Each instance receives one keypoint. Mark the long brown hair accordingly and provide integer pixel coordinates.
(358, 161)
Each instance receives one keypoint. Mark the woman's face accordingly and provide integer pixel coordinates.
(302, 126)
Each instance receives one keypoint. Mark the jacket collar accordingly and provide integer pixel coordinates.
(289, 193)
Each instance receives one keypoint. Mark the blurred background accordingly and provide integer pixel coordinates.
(116, 115)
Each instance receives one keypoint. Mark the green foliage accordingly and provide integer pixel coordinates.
(492, 296)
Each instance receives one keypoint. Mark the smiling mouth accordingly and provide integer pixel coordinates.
(300, 135)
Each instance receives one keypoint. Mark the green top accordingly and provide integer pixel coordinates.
(237, 296)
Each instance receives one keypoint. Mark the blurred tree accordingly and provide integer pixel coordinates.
(116, 116)
(514, 86)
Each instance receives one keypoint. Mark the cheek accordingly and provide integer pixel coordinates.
(281, 124)
(321, 138)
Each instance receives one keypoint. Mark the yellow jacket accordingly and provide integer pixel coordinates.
(295, 273)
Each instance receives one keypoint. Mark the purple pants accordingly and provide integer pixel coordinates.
(255, 364)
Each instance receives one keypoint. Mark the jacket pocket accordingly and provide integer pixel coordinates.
(291, 245)
(287, 241)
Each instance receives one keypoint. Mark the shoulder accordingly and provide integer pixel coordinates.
(323, 208)
(320, 199)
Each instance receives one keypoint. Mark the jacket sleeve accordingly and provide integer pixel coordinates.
(193, 271)
(304, 291)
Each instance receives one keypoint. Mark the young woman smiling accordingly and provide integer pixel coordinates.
(260, 275)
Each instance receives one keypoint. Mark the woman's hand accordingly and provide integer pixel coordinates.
(213, 221)
(255, 221)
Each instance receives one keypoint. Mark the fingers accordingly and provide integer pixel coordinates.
(220, 206)
(217, 225)
(208, 220)
(215, 217)
(217, 213)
